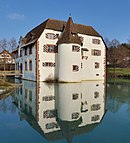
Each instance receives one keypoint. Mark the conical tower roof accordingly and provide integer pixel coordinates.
(69, 34)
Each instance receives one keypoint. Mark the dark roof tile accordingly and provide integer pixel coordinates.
(70, 34)
(58, 25)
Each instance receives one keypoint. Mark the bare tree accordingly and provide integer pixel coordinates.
(115, 43)
(112, 44)
(12, 44)
(8, 45)
(118, 57)
(3, 44)
(107, 42)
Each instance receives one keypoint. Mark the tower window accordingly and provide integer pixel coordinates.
(75, 115)
(75, 96)
(75, 68)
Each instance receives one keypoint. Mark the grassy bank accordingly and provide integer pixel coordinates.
(6, 89)
(118, 72)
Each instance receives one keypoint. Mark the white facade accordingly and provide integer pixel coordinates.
(47, 73)
(66, 60)
(53, 61)
(27, 71)
(89, 72)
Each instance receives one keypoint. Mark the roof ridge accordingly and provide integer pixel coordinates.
(59, 25)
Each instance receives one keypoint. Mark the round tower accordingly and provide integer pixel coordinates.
(69, 54)
(68, 101)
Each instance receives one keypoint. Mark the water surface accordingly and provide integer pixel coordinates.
(68, 113)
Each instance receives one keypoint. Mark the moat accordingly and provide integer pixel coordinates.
(84, 112)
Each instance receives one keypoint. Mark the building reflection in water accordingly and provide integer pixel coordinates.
(60, 111)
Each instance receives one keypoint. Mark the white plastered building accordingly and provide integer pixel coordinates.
(61, 51)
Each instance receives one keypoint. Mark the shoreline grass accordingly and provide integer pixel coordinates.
(118, 72)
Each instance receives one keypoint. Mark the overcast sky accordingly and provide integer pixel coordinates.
(111, 18)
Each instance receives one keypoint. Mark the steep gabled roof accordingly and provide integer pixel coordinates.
(6, 52)
(70, 34)
(58, 25)
(35, 33)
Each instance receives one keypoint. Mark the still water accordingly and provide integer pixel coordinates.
(66, 113)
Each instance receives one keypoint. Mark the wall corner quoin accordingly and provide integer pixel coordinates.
(37, 61)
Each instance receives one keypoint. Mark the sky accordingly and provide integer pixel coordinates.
(110, 18)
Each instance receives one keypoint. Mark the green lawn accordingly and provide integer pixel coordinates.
(119, 71)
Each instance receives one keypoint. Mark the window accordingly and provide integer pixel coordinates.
(48, 64)
(25, 51)
(51, 125)
(25, 107)
(96, 52)
(26, 92)
(16, 55)
(21, 104)
(30, 65)
(21, 91)
(75, 68)
(17, 66)
(30, 95)
(95, 41)
(95, 107)
(95, 118)
(20, 53)
(85, 57)
(84, 53)
(48, 98)
(75, 96)
(52, 36)
(30, 50)
(30, 110)
(96, 94)
(49, 114)
(75, 115)
(50, 48)
(81, 65)
(17, 90)
(75, 48)
(97, 84)
(26, 66)
(84, 107)
(96, 65)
